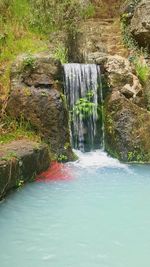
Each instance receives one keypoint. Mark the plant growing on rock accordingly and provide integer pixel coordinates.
(84, 106)
(62, 158)
(61, 53)
(142, 71)
(140, 65)
(13, 129)
(125, 23)
(9, 156)
(28, 62)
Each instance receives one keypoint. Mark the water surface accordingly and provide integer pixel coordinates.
(98, 216)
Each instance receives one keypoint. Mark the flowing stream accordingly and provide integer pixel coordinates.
(94, 212)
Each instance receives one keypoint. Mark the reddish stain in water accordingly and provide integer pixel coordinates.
(56, 172)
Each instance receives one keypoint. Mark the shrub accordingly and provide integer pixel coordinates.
(142, 71)
(50, 15)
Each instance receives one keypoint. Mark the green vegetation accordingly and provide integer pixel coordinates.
(11, 129)
(84, 106)
(26, 26)
(9, 156)
(136, 156)
(127, 36)
(138, 54)
(140, 65)
(62, 158)
(125, 22)
(29, 62)
(19, 183)
(142, 71)
(61, 53)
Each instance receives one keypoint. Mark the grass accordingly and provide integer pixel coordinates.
(11, 129)
(28, 43)
(26, 27)
(142, 71)
(61, 53)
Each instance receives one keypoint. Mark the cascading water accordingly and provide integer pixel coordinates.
(85, 99)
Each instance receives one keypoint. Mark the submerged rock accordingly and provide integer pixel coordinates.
(36, 96)
(20, 161)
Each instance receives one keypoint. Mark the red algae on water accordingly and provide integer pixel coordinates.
(56, 172)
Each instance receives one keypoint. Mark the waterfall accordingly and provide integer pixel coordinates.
(83, 90)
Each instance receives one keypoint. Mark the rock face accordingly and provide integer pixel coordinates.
(127, 122)
(121, 77)
(36, 96)
(20, 161)
(127, 129)
(140, 23)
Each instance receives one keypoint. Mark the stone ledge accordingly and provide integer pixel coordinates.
(21, 161)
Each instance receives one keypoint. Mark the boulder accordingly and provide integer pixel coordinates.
(36, 97)
(21, 161)
(127, 91)
(119, 72)
(40, 70)
(120, 76)
(140, 23)
(127, 128)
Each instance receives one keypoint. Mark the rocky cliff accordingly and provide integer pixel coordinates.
(36, 95)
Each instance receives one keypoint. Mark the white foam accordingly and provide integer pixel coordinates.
(97, 159)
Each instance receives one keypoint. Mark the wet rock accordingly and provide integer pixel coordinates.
(20, 161)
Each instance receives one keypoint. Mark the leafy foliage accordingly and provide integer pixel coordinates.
(29, 62)
(84, 106)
